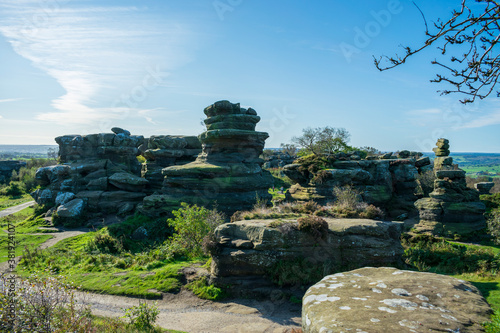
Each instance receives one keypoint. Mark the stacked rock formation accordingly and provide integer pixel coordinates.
(391, 300)
(250, 249)
(484, 187)
(227, 173)
(387, 183)
(161, 151)
(7, 167)
(100, 173)
(452, 207)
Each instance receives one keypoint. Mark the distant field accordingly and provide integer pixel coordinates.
(10, 152)
(477, 164)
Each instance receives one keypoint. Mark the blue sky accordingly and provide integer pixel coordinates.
(151, 66)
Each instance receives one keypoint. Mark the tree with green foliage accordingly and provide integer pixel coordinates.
(323, 140)
(192, 224)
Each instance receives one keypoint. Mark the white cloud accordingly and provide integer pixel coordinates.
(487, 120)
(8, 100)
(97, 54)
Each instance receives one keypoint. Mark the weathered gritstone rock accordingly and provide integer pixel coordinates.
(162, 151)
(387, 183)
(227, 173)
(100, 170)
(451, 207)
(484, 187)
(247, 249)
(379, 300)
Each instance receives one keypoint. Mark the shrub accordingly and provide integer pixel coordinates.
(346, 197)
(103, 243)
(308, 207)
(42, 305)
(192, 224)
(372, 212)
(314, 225)
(14, 189)
(142, 316)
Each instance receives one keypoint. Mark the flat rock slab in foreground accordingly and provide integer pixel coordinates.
(391, 300)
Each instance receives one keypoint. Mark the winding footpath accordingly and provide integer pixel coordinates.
(184, 311)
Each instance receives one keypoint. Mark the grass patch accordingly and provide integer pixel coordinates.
(116, 325)
(6, 201)
(478, 264)
(202, 289)
(21, 242)
(25, 222)
(144, 274)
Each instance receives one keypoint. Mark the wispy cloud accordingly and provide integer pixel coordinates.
(487, 120)
(97, 54)
(8, 100)
(424, 112)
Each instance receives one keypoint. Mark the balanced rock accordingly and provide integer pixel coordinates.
(443, 147)
(386, 299)
(484, 187)
(228, 172)
(452, 207)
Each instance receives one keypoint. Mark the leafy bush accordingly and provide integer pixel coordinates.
(143, 316)
(314, 225)
(103, 243)
(14, 189)
(192, 224)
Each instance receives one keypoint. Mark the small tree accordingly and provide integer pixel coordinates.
(289, 148)
(192, 224)
(326, 140)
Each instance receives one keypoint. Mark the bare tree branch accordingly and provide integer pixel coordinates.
(473, 40)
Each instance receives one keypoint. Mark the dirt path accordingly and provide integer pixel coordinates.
(186, 312)
(15, 209)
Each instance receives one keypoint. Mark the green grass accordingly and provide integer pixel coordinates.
(6, 202)
(116, 325)
(478, 264)
(138, 274)
(492, 170)
(21, 242)
(25, 222)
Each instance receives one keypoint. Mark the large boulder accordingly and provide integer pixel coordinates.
(251, 248)
(391, 300)
(72, 209)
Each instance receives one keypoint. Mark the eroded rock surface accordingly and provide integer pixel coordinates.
(390, 300)
(227, 173)
(252, 248)
(451, 207)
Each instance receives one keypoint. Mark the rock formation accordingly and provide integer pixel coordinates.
(247, 249)
(484, 187)
(452, 207)
(227, 173)
(388, 183)
(390, 300)
(161, 151)
(7, 167)
(99, 173)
